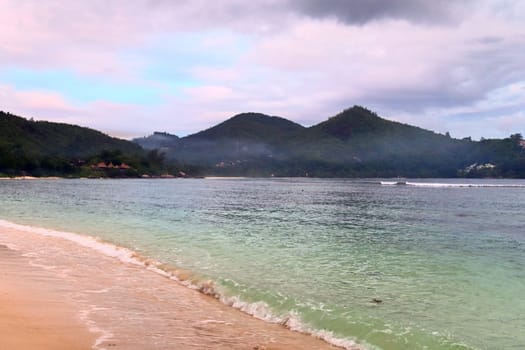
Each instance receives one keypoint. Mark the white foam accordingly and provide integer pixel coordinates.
(225, 177)
(291, 321)
(215, 321)
(42, 266)
(454, 185)
(98, 291)
(103, 335)
(258, 310)
(108, 249)
(391, 183)
(449, 185)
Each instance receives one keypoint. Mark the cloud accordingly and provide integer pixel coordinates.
(363, 11)
(396, 61)
(137, 66)
(123, 120)
(397, 67)
(30, 101)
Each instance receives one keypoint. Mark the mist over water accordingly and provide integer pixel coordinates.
(444, 262)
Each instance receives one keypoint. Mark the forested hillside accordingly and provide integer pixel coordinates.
(354, 143)
(41, 148)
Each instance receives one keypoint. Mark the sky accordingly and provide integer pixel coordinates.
(131, 67)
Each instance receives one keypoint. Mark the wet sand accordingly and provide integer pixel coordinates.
(32, 314)
(67, 296)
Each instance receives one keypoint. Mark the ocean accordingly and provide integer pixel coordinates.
(417, 264)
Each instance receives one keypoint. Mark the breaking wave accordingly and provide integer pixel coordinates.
(448, 185)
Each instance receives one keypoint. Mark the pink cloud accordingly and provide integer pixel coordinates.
(34, 103)
(88, 36)
(84, 36)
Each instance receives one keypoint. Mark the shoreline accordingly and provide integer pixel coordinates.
(32, 178)
(127, 304)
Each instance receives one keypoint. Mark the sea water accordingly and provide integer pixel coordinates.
(415, 264)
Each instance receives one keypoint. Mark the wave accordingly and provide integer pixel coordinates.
(259, 310)
(448, 185)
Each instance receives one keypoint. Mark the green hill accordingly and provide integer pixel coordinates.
(246, 136)
(249, 126)
(46, 138)
(41, 148)
(356, 142)
(358, 121)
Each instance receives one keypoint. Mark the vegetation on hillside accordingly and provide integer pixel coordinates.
(354, 143)
(39, 148)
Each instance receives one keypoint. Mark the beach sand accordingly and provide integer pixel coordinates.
(57, 294)
(32, 313)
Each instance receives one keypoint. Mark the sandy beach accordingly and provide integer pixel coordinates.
(33, 314)
(57, 294)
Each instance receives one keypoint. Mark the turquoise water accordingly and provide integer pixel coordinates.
(446, 260)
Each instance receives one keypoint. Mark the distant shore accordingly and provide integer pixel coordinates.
(31, 178)
(94, 178)
(62, 295)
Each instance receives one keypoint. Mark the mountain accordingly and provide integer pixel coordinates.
(42, 148)
(357, 121)
(249, 126)
(358, 139)
(355, 142)
(244, 136)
